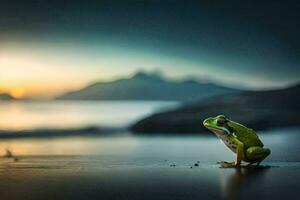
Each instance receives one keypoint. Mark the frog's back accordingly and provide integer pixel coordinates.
(246, 135)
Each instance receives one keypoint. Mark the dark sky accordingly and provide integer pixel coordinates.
(254, 38)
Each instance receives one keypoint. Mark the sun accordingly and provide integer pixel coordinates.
(17, 92)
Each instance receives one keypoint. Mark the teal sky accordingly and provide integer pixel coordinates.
(49, 47)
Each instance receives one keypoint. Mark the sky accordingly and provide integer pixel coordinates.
(50, 47)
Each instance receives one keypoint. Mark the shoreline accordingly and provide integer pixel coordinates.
(68, 132)
(102, 131)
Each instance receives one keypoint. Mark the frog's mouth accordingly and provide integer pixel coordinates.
(219, 131)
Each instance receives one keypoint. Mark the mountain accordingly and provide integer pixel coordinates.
(5, 96)
(143, 86)
(256, 109)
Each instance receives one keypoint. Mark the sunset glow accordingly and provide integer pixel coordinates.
(17, 92)
(44, 57)
(41, 70)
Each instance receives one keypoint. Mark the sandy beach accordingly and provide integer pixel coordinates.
(146, 167)
(77, 177)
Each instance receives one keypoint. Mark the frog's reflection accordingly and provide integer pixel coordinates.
(233, 184)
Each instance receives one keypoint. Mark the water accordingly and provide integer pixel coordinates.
(125, 146)
(20, 115)
(149, 149)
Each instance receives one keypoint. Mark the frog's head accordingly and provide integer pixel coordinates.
(218, 125)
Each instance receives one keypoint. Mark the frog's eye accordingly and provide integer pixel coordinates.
(221, 121)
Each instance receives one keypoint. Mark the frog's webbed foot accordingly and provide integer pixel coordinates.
(226, 164)
(253, 164)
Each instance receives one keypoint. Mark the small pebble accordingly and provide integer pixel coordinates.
(196, 164)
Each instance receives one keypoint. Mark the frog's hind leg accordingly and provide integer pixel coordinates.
(256, 154)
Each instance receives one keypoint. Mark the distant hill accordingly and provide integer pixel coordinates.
(255, 109)
(5, 96)
(143, 86)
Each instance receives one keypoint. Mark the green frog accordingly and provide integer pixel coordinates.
(241, 140)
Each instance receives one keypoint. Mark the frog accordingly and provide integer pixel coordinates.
(241, 140)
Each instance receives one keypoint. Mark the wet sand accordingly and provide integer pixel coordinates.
(137, 168)
(90, 177)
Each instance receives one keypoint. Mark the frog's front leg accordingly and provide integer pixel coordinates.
(240, 154)
(226, 164)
